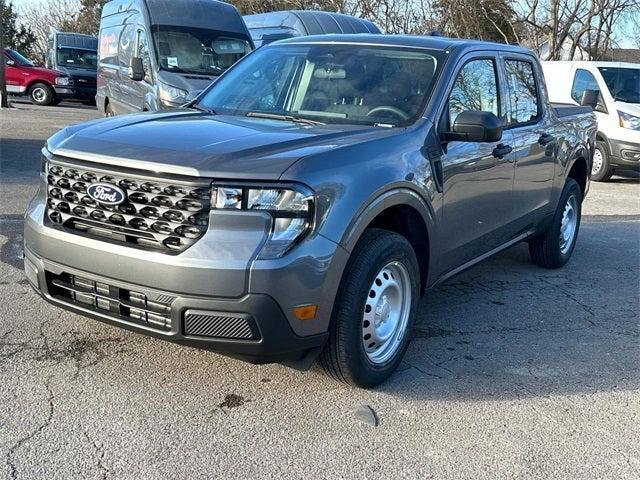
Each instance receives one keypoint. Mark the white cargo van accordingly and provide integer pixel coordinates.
(613, 88)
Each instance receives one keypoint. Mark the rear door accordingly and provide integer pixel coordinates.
(477, 179)
(534, 131)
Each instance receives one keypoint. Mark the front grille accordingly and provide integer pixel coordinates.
(202, 323)
(157, 214)
(120, 303)
(81, 81)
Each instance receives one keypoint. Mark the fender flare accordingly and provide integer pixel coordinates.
(398, 196)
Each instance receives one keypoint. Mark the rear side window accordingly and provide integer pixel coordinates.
(475, 88)
(583, 80)
(108, 46)
(523, 92)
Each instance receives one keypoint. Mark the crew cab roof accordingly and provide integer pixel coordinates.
(416, 41)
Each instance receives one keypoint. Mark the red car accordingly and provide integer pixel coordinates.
(44, 86)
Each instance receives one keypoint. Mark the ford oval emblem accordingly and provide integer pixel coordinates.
(106, 193)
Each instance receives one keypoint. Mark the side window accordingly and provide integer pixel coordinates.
(142, 51)
(126, 45)
(475, 88)
(523, 92)
(108, 48)
(584, 80)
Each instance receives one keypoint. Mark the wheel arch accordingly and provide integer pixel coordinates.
(401, 211)
(579, 171)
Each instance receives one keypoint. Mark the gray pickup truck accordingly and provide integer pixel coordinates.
(300, 207)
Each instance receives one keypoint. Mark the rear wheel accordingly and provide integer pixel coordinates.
(108, 110)
(41, 94)
(553, 248)
(374, 311)
(601, 170)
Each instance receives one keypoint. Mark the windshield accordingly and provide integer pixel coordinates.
(623, 83)
(77, 58)
(19, 59)
(197, 50)
(330, 83)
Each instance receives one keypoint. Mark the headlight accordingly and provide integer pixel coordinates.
(63, 81)
(292, 209)
(629, 121)
(172, 94)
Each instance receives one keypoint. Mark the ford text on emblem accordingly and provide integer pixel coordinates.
(106, 193)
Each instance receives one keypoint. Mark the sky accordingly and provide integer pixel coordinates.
(622, 34)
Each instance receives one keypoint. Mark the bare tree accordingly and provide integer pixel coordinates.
(565, 27)
(47, 17)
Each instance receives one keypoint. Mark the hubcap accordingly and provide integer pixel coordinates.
(598, 160)
(386, 312)
(569, 224)
(39, 94)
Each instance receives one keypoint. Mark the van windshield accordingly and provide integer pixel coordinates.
(623, 83)
(197, 50)
(348, 83)
(77, 58)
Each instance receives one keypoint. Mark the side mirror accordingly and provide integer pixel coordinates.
(593, 99)
(10, 62)
(475, 126)
(136, 69)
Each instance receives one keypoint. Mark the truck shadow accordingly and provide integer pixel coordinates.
(508, 329)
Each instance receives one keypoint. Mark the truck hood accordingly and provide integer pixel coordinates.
(187, 142)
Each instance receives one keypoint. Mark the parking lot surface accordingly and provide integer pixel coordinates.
(515, 372)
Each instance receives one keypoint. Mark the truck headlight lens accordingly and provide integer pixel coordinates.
(64, 81)
(292, 209)
(172, 94)
(629, 121)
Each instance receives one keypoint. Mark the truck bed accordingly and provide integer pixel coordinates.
(568, 110)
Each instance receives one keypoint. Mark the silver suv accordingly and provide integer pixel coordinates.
(302, 204)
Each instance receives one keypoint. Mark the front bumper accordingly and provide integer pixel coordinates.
(64, 92)
(625, 154)
(217, 274)
(274, 341)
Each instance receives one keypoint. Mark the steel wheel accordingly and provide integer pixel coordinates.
(598, 161)
(39, 94)
(568, 224)
(386, 313)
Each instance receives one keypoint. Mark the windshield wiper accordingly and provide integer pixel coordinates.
(196, 106)
(286, 118)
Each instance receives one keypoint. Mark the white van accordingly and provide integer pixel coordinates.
(614, 90)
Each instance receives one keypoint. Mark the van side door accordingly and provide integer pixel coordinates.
(535, 131)
(477, 176)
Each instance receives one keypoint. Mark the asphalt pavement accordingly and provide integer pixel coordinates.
(515, 372)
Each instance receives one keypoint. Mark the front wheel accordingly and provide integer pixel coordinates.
(601, 170)
(41, 94)
(374, 312)
(553, 248)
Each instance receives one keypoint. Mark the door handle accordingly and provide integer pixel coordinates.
(502, 150)
(545, 139)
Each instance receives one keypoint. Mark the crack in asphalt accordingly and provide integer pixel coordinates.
(103, 470)
(10, 461)
(11, 250)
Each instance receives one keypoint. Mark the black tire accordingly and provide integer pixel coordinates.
(41, 94)
(108, 110)
(601, 170)
(344, 357)
(547, 249)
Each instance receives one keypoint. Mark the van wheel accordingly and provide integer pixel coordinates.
(41, 94)
(108, 110)
(553, 248)
(601, 170)
(374, 312)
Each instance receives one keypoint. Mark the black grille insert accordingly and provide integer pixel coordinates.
(157, 214)
(202, 323)
(123, 304)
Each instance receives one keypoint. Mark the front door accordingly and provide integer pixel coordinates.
(477, 177)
